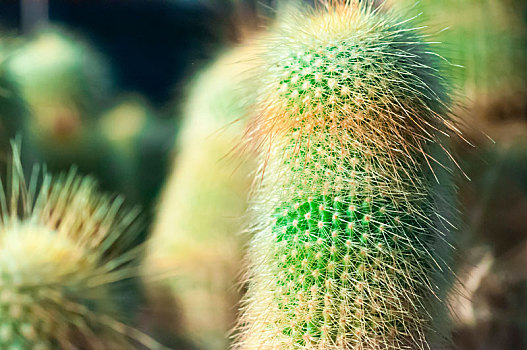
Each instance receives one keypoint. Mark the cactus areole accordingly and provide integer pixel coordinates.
(351, 204)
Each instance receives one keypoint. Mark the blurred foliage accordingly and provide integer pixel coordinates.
(77, 118)
(55, 66)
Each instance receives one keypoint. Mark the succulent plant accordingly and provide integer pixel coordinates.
(198, 231)
(56, 64)
(353, 201)
(486, 37)
(64, 252)
(139, 142)
(66, 84)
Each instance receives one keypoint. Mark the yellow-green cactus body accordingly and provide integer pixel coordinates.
(198, 232)
(63, 248)
(352, 202)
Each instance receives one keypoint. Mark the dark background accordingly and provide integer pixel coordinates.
(151, 45)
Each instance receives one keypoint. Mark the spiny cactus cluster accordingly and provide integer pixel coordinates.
(63, 250)
(198, 231)
(352, 200)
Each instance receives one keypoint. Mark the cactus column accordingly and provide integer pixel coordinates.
(352, 203)
(198, 230)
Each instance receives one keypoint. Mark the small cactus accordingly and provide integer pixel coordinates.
(56, 64)
(66, 84)
(139, 142)
(63, 249)
(198, 230)
(353, 199)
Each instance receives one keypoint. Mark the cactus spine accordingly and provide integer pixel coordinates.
(61, 256)
(352, 200)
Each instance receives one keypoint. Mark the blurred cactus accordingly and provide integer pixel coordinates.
(353, 202)
(198, 231)
(487, 37)
(55, 66)
(66, 85)
(63, 252)
(139, 142)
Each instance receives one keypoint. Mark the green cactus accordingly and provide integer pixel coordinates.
(63, 254)
(198, 229)
(353, 201)
(56, 64)
(139, 141)
(66, 85)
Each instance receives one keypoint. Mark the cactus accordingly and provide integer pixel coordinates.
(139, 141)
(56, 64)
(353, 201)
(487, 38)
(198, 230)
(66, 85)
(63, 253)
